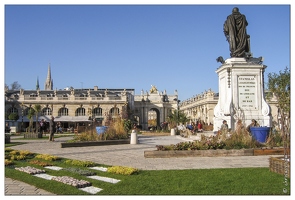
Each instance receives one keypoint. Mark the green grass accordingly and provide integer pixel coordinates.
(237, 181)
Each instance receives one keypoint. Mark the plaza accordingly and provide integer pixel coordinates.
(133, 157)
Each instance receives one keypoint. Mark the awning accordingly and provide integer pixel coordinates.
(72, 119)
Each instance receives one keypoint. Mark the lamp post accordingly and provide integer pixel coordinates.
(92, 118)
(22, 125)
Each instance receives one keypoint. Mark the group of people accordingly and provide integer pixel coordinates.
(195, 127)
(239, 126)
(53, 127)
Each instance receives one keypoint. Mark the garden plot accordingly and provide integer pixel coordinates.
(79, 184)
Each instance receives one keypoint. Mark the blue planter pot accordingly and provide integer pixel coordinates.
(260, 133)
(101, 129)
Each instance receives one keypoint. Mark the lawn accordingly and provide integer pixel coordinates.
(237, 181)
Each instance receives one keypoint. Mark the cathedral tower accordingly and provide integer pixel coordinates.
(49, 81)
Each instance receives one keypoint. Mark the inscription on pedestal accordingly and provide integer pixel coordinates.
(247, 92)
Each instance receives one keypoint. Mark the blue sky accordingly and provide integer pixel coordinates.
(173, 47)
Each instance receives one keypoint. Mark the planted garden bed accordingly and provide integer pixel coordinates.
(94, 143)
(213, 153)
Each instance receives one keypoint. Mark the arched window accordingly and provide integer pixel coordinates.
(12, 110)
(63, 112)
(80, 112)
(114, 111)
(46, 111)
(97, 112)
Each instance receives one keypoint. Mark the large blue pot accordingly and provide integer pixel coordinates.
(101, 129)
(260, 133)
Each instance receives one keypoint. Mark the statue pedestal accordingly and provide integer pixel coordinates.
(241, 93)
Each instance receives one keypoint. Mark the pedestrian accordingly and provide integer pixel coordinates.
(239, 127)
(254, 123)
(7, 128)
(224, 127)
(52, 128)
(200, 126)
(42, 126)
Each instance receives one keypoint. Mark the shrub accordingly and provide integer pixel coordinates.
(47, 157)
(40, 163)
(275, 139)
(115, 131)
(8, 162)
(122, 170)
(80, 163)
(19, 155)
(239, 141)
(223, 141)
(87, 136)
(80, 171)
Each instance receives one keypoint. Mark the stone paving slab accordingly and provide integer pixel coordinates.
(103, 169)
(91, 189)
(105, 179)
(56, 168)
(44, 176)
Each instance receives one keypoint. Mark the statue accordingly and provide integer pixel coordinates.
(153, 89)
(235, 32)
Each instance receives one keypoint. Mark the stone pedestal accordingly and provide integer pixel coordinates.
(241, 93)
(172, 131)
(133, 139)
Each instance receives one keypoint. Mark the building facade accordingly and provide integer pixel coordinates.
(78, 108)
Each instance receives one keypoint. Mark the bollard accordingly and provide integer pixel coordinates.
(172, 131)
(133, 139)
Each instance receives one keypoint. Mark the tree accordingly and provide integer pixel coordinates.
(31, 113)
(279, 87)
(15, 86)
(177, 117)
(13, 116)
(37, 109)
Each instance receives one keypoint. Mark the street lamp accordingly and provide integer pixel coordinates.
(22, 125)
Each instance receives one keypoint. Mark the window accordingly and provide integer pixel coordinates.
(80, 112)
(46, 111)
(12, 110)
(63, 112)
(114, 111)
(97, 112)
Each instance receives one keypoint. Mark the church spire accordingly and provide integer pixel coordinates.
(49, 81)
(37, 84)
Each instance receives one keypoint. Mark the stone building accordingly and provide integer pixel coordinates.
(78, 108)
(72, 108)
(201, 107)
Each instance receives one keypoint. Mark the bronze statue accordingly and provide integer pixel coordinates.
(235, 32)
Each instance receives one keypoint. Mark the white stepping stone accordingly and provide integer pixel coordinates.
(44, 176)
(105, 179)
(91, 189)
(53, 168)
(99, 168)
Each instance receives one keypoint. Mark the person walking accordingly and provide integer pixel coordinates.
(52, 128)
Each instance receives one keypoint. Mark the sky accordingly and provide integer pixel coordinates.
(133, 46)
